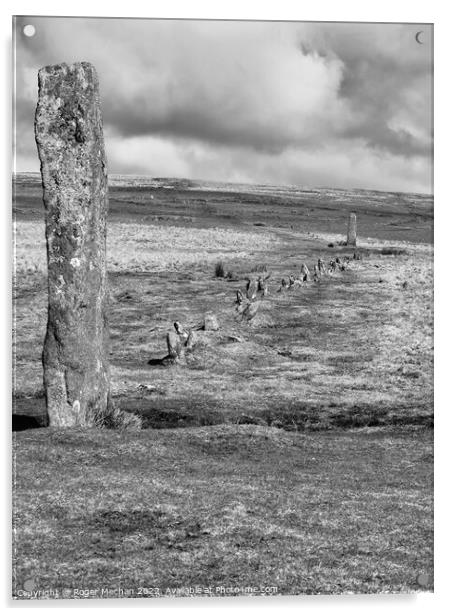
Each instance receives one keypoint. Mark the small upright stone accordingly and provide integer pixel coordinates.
(174, 345)
(305, 273)
(283, 286)
(351, 233)
(250, 311)
(191, 341)
(210, 322)
(68, 131)
(181, 332)
(252, 287)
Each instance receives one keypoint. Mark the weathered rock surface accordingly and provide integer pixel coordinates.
(174, 345)
(210, 322)
(68, 131)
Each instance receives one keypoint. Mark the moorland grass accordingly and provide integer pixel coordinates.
(331, 492)
(233, 506)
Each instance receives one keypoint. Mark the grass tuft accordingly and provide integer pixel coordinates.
(219, 269)
(260, 268)
(117, 419)
(391, 250)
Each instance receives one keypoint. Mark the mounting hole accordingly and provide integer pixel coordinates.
(29, 30)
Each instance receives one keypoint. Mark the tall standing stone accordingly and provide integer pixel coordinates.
(351, 233)
(68, 131)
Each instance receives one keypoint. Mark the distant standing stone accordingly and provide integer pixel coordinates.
(351, 233)
(68, 131)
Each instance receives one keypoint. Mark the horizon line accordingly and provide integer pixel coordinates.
(299, 186)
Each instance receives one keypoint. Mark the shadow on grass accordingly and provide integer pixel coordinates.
(289, 416)
(25, 422)
(174, 413)
(157, 361)
(29, 412)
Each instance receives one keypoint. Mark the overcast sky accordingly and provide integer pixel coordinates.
(340, 105)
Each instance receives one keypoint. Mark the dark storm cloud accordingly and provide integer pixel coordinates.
(386, 82)
(226, 83)
(271, 91)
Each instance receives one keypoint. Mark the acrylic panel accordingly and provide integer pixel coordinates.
(223, 308)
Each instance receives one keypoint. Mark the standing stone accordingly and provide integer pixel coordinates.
(252, 287)
(305, 273)
(351, 234)
(210, 322)
(68, 131)
(191, 341)
(174, 345)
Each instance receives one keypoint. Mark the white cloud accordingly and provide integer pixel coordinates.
(331, 104)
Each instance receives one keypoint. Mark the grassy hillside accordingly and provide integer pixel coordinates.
(354, 349)
(293, 451)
